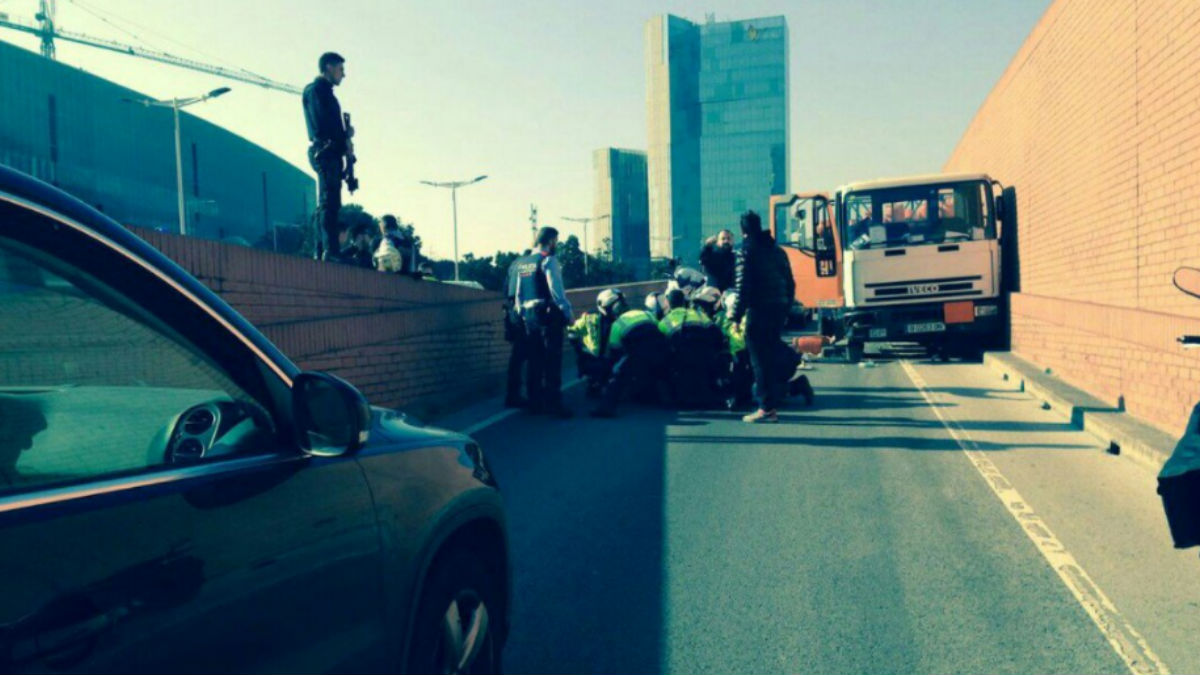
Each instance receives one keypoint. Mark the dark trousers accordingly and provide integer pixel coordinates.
(741, 388)
(517, 360)
(545, 351)
(329, 203)
(764, 331)
(638, 366)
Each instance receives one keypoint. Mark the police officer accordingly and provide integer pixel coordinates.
(514, 334)
(654, 305)
(589, 336)
(635, 347)
(695, 346)
(545, 313)
(739, 390)
(328, 139)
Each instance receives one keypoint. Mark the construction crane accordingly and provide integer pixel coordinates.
(46, 30)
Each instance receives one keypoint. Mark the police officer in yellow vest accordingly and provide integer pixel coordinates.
(740, 390)
(695, 348)
(589, 336)
(635, 348)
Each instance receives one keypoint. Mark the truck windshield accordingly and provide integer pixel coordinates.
(918, 215)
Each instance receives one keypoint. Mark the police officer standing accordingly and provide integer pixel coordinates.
(328, 139)
(514, 334)
(545, 312)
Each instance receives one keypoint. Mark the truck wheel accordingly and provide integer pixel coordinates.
(854, 351)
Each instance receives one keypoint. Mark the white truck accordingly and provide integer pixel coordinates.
(926, 259)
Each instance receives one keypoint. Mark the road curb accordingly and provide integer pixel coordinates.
(1122, 433)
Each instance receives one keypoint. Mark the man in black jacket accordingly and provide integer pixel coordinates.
(765, 289)
(717, 260)
(328, 137)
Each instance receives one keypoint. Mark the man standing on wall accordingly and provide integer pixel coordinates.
(765, 288)
(328, 139)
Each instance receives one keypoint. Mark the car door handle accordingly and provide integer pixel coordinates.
(65, 628)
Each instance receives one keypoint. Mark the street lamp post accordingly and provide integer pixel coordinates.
(454, 186)
(175, 104)
(586, 222)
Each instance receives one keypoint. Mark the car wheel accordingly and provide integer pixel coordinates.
(457, 620)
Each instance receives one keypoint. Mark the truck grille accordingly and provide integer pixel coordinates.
(948, 287)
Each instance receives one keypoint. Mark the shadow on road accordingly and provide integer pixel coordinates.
(802, 442)
(585, 511)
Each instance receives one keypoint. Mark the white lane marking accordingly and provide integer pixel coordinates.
(505, 414)
(1121, 635)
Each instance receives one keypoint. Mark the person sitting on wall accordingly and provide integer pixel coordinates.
(392, 239)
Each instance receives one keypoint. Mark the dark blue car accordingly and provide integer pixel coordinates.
(175, 495)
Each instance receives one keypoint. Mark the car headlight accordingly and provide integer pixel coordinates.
(986, 310)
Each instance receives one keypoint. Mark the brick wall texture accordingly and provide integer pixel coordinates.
(423, 347)
(1096, 122)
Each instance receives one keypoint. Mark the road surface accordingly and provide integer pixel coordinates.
(920, 518)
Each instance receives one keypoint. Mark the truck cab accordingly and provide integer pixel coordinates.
(804, 226)
(925, 259)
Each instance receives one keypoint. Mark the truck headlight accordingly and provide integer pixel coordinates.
(986, 310)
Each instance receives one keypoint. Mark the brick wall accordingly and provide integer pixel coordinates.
(424, 347)
(1097, 123)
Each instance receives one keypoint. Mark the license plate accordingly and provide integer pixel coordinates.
(930, 327)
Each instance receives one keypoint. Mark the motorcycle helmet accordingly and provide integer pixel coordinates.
(611, 302)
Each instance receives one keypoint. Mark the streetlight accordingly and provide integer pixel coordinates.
(586, 222)
(175, 104)
(453, 186)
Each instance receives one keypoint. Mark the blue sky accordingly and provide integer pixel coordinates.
(524, 91)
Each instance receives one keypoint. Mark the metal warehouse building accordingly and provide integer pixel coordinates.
(71, 128)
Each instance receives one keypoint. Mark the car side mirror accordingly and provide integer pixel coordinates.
(331, 417)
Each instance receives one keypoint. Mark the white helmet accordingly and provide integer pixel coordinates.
(706, 300)
(688, 280)
(610, 302)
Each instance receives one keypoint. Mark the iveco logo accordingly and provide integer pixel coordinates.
(923, 289)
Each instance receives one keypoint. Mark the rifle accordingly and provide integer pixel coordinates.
(351, 180)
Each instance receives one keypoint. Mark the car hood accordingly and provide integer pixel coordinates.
(394, 428)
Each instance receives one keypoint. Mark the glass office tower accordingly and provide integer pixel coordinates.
(620, 194)
(717, 115)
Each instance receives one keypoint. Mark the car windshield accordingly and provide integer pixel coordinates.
(918, 215)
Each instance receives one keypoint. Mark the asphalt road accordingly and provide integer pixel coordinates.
(855, 536)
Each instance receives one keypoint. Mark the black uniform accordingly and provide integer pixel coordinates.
(765, 288)
(544, 324)
(323, 115)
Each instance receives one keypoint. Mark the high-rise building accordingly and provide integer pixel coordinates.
(620, 194)
(717, 114)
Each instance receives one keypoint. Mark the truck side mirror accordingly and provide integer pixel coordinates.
(1010, 250)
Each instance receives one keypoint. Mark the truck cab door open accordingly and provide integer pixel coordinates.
(804, 226)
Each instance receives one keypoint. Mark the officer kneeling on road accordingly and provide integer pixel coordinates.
(739, 389)
(635, 347)
(589, 336)
(695, 346)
